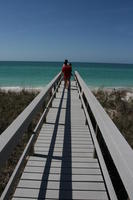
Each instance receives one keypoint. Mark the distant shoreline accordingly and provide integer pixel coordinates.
(128, 90)
(19, 88)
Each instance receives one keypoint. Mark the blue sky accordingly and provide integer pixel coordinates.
(80, 30)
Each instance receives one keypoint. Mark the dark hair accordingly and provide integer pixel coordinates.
(66, 61)
(70, 64)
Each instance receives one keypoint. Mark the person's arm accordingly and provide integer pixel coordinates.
(63, 68)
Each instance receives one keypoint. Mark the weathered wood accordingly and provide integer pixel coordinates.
(9, 186)
(57, 149)
(58, 164)
(83, 142)
(120, 151)
(93, 186)
(108, 182)
(43, 117)
(81, 159)
(63, 166)
(54, 194)
(56, 170)
(56, 177)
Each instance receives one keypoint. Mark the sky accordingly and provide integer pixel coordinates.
(79, 30)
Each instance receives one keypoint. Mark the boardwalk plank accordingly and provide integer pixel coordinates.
(57, 149)
(94, 186)
(84, 146)
(79, 159)
(73, 173)
(56, 177)
(34, 193)
(58, 164)
(84, 142)
(57, 170)
(73, 154)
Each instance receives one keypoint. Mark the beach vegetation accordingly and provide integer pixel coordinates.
(119, 108)
(11, 105)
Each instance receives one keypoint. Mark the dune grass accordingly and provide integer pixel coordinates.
(119, 109)
(11, 105)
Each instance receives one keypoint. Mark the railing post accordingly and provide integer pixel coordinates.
(81, 101)
(79, 96)
(50, 94)
(96, 132)
(94, 153)
(55, 85)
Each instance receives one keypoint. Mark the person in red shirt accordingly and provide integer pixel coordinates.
(66, 69)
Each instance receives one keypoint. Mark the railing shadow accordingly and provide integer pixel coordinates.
(45, 176)
(66, 167)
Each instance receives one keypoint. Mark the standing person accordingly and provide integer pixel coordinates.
(66, 69)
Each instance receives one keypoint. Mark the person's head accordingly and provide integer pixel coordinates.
(70, 64)
(65, 62)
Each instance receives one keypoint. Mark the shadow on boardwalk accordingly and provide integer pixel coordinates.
(65, 188)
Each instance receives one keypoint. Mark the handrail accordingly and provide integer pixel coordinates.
(6, 193)
(27, 149)
(11, 136)
(110, 190)
(120, 151)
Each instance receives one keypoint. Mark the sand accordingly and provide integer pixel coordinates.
(128, 91)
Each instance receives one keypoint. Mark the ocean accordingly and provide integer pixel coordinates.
(38, 74)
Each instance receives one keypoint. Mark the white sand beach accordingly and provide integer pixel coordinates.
(128, 91)
(19, 89)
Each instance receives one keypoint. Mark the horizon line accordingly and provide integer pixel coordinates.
(71, 61)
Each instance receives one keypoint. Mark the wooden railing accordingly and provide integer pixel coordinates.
(99, 123)
(13, 134)
(120, 152)
(15, 131)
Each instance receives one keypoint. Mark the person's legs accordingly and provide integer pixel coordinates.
(65, 83)
(68, 82)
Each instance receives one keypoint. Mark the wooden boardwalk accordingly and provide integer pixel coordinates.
(74, 152)
(63, 165)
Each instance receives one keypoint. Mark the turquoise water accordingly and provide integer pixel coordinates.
(38, 74)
